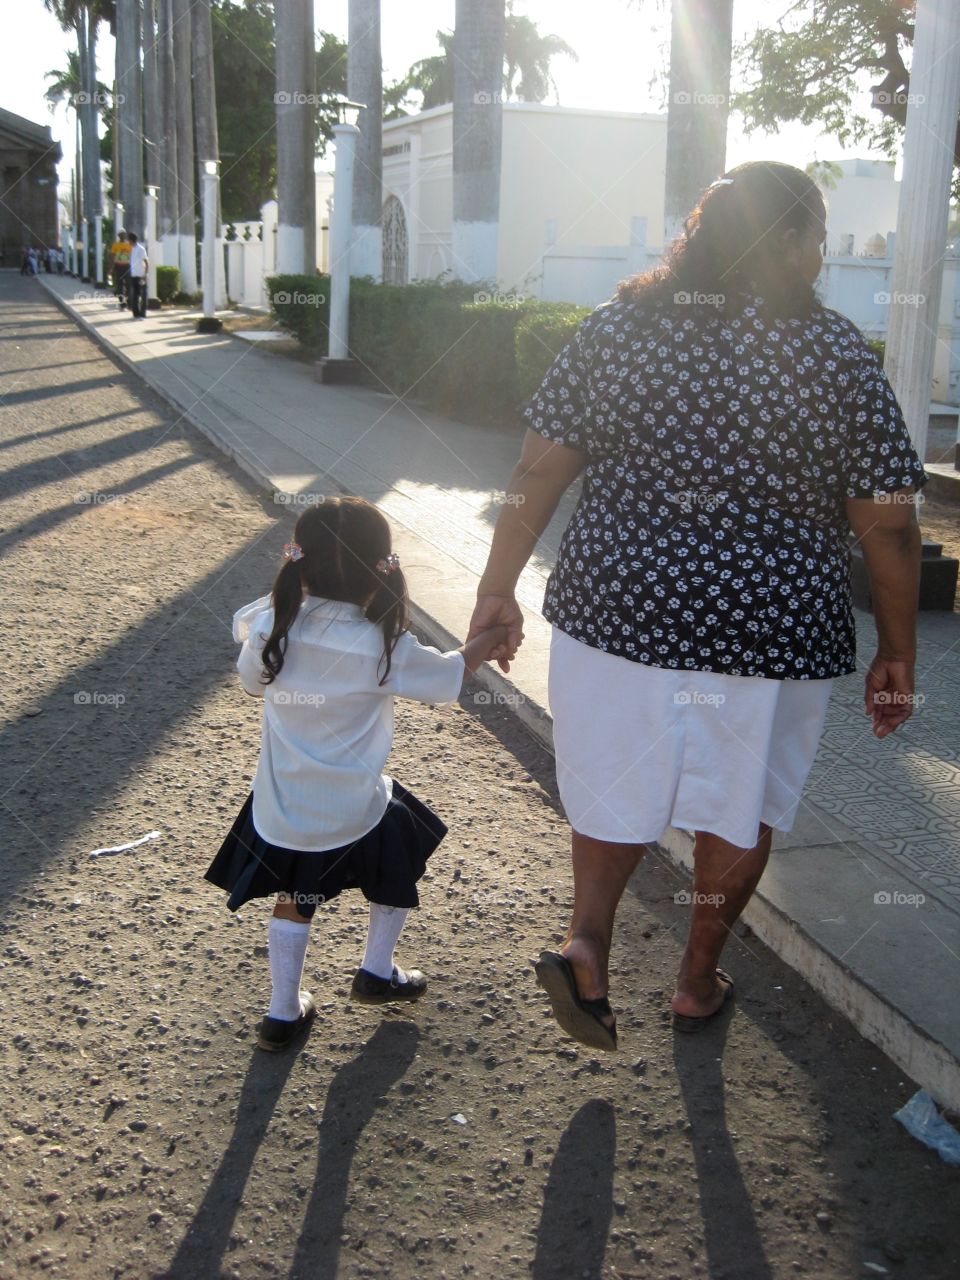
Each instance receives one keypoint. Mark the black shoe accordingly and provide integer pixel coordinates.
(369, 989)
(276, 1033)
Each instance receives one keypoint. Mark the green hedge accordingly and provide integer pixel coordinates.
(168, 283)
(300, 305)
(443, 343)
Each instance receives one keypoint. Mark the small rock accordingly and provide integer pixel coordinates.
(457, 1118)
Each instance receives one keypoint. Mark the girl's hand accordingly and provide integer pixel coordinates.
(889, 697)
(499, 611)
(484, 646)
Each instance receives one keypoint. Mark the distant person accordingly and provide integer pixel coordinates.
(25, 261)
(730, 431)
(61, 262)
(328, 651)
(120, 267)
(137, 277)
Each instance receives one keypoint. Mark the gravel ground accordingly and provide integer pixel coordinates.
(143, 1136)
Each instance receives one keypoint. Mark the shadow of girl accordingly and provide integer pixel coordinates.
(352, 1099)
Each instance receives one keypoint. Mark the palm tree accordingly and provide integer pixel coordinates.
(296, 198)
(477, 136)
(365, 84)
(129, 114)
(187, 198)
(152, 110)
(528, 56)
(205, 105)
(698, 108)
(169, 213)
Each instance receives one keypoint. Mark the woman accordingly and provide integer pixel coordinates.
(730, 431)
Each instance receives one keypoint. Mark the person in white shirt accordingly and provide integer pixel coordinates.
(137, 277)
(328, 651)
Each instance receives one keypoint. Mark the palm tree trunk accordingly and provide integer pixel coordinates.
(152, 117)
(697, 112)
(129, 113)
(169, 187)
(186, 223)
(295, 114)
(365, 84)
(477, 134)
(205, 106)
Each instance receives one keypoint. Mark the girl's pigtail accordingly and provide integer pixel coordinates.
(287, 598)
(388, 609)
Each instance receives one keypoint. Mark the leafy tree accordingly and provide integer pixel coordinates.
(526, 69)
(813, 65)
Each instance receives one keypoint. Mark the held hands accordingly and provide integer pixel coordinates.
(484, 646)
(500, 613)
(889, 694)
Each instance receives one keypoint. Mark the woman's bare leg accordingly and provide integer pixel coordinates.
(285, 908)
(724, 879)
(600, 873)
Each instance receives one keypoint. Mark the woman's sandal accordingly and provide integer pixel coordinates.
(579, 1018)
(683, 1022)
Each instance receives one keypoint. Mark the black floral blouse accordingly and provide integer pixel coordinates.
(710, 534)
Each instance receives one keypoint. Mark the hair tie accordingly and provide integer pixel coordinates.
(388, 564)
(292, 551)
(720, 182)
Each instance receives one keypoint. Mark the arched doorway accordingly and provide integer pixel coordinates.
(395, 242)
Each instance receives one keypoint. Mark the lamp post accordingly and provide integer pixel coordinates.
(153, 244)
(86, 251)
(208, 322)
(338, 367)
(98, 247)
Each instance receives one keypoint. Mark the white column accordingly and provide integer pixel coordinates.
(211, 242)
(413, 207)
(73, 248)
(85, 273)
(932, 107)
(154, 249)
(345, 138)
(98, 247)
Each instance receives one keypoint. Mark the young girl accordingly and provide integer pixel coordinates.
(328, 651)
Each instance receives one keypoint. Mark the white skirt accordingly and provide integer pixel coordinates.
(642, 748)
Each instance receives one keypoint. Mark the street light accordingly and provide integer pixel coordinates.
(153, 246)
(208, 322)
(338, 367)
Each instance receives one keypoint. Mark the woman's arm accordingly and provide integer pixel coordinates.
(543, 474)
(886, 528)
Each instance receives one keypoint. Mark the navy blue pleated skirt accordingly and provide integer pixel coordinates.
(385, 864)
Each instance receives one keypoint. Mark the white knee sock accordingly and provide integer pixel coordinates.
(287, 944)
(382, 934)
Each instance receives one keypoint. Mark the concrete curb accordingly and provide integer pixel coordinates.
(931, 1064)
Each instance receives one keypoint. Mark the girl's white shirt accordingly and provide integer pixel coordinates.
(328, 722)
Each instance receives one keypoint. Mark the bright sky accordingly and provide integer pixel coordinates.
(621, 46)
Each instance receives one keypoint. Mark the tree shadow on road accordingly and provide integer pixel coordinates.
(578, 1201)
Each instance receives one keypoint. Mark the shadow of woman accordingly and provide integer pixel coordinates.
(578, 1201)
(731, 1236)
(352, 1099)
(205, 1242)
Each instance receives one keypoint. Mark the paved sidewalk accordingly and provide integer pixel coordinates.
(863, 897)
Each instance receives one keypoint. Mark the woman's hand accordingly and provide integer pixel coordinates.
(889, 695)
(495, 611)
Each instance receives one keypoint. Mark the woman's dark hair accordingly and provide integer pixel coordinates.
(343, 540)
(728, 247)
